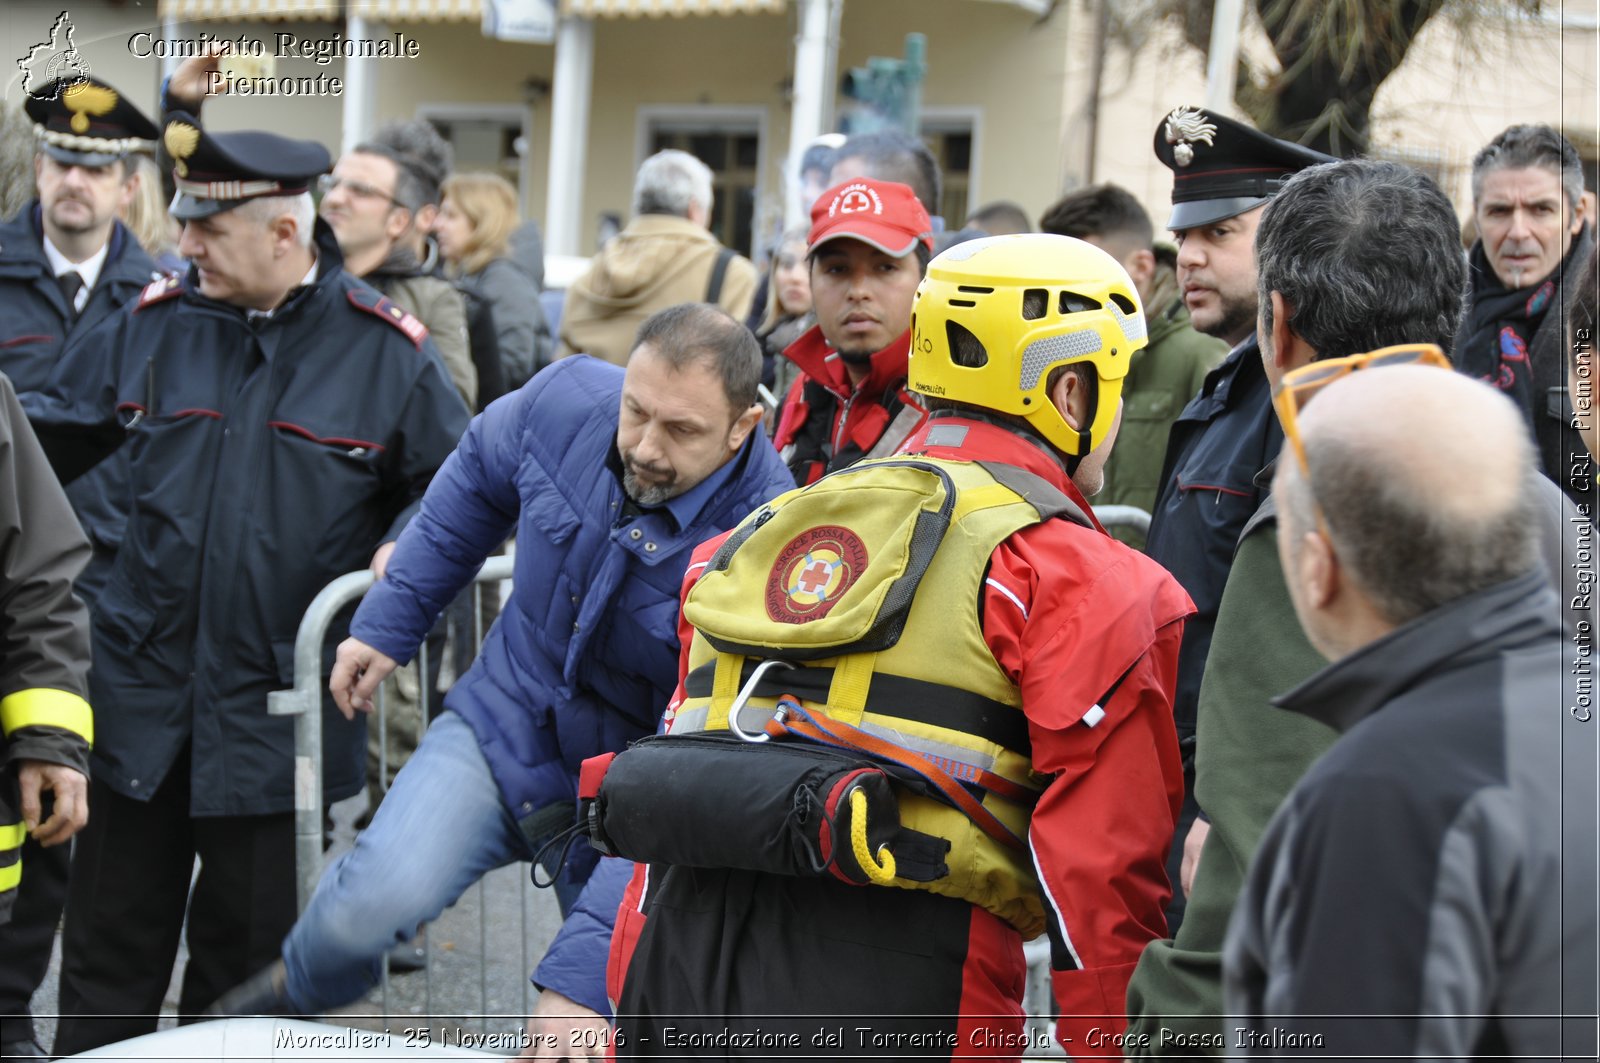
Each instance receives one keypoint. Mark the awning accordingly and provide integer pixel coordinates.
(248, 10)
(677, 8)
(472, 10)
(417, 10)
(1037, 7)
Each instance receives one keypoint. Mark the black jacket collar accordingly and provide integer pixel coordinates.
(1509, 614)
(22, 248)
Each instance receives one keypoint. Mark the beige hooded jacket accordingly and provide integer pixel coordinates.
(656, 262)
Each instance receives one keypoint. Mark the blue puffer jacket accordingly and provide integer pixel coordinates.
(584, 658)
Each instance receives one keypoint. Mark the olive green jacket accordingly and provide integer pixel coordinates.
(1249, 755)
(435, 302)
(1160, 382)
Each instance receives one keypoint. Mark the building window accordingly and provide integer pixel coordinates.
(486, 138)
(727, 139)
(482, 144)
(953, 135)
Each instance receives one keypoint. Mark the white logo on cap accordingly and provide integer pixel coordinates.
(856, 199)
(1185, 128)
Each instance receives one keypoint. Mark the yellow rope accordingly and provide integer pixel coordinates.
(880, 873)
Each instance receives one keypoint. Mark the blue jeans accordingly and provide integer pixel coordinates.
(442, 826)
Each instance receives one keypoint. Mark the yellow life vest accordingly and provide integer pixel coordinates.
(868, 583)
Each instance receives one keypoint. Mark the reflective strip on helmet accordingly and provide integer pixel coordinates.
(1132, 325)
(1042, 354)
(44, 707)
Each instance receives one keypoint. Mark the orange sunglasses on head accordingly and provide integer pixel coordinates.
(1300, 384)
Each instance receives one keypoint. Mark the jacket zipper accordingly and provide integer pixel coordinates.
(838, 430)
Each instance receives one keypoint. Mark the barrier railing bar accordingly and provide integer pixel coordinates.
(1123, 516)
(303, 701)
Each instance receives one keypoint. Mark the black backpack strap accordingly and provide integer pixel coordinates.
(719, 270)
(1038, 492)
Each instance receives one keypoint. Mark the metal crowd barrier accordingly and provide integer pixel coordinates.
(1124, 517)
(304, 703)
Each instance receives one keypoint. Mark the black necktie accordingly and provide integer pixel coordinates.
(70, 283)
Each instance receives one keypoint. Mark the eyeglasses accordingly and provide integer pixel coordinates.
(361, 190)
(1299, 385)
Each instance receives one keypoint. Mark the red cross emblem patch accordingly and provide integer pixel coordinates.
(813, 572)
(854, 201)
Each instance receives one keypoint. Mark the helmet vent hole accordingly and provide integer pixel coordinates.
(966, 349)
(1073, 303)
(1123, 303)
(974, 289)
(1035, 304)
(962, 302)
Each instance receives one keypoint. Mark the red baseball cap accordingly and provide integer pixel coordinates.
(885, 214)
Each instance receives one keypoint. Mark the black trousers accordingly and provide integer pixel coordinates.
(130, 888)
(738, 964)
(27, 939)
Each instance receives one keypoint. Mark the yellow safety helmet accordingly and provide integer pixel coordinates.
(994, 316)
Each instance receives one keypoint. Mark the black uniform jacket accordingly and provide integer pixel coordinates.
(267, 457)
(35, 326)
(1224, 437)
(44, 649)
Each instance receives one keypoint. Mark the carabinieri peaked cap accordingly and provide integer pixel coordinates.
(214, 172)
(82, 121)
(1222, 168)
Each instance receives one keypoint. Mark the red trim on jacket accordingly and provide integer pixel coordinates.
(861, 407)
(332, 441)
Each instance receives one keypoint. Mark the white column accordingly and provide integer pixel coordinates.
(808, 113)
(170, 61)
(360, 86)
(1223, 59)
(569, 135)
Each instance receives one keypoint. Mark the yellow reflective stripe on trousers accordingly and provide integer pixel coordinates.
(44, 707)
(11, 836)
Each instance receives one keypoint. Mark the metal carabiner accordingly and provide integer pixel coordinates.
(743, 699)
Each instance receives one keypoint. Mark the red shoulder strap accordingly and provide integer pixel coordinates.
(384, 310)
(157, 291)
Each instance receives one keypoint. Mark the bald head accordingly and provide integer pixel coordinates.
(1423, 477)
